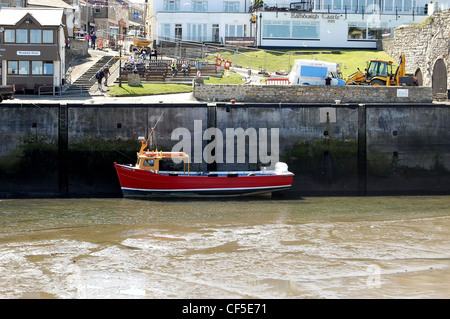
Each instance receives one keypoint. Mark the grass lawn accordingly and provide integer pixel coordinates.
(349, 61)
(227, 78)
(169, 88)
(148, 89)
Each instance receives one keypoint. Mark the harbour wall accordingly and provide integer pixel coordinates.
(312, 94)
(348, 149)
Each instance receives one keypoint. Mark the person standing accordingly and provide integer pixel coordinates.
(93, 39)
(107, 74)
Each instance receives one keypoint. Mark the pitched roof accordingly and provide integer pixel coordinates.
(49, 3)
(46, 17)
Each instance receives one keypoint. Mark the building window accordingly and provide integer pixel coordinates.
(232, 30)
(361, 31)
(165, 27)
(200, 6)
(171, 5)
(305, 30)
(291, 30)
(35, 36)
(276, 29)
(347, 5)
(24, 67)
(357, 31)
(36, 67)
(48, 68)
(21, 36)
(388, 5)
(10, 36)
(47, 36)
(231, 6)
(196, 32)
(13, 67)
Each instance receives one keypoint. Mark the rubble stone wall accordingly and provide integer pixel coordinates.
(312, 94)
(423, 45)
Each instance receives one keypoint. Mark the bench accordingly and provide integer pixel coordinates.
(156, 76)
(209, 69)
(20, 88)
(180, 69)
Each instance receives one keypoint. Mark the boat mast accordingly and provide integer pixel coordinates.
(145, 142)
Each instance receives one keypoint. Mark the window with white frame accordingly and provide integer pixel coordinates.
(291, 29)
(199, 6)
(165, 31)
(388, 5)
(171, 5)
(196, 31)
(231, 6)
(347, 5)
(357, 31)
(235, 30)
(305, 30)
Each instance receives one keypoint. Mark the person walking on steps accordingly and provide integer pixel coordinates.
(107, 74)
(99, 76)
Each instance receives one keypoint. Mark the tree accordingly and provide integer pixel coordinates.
(258, 4)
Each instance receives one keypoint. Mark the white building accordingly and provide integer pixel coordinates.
(204, 21)
(305, 23)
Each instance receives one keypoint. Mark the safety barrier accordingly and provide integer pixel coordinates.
(277, 81)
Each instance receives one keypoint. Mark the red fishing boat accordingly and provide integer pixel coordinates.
(145, 179)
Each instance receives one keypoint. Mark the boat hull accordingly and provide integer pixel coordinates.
(136, 182)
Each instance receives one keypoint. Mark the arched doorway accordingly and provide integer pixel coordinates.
(439, 79)
(419, 77)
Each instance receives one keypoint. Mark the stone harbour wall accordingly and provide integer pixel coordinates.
(312, 94)
(69, 150)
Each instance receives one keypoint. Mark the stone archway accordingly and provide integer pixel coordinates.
(419, 77)
(439, 80)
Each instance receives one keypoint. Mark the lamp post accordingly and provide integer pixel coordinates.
(120, 66)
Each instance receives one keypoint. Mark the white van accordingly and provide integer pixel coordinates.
(135, 33)
(313, 72)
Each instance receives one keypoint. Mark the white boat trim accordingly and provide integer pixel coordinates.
(204, 189)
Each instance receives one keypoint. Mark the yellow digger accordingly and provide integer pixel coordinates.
(379, 72)
(139, 43)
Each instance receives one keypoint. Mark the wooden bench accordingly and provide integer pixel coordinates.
(180, 69)
(156, 76)
(130, 69)
(209, 69)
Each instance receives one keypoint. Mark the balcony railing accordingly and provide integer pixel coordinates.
(307, 6)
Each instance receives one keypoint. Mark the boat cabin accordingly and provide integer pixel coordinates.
(149, 160)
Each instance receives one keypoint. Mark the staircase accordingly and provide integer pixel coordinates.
(83, 84)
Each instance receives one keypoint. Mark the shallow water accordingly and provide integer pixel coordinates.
(319, 247)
